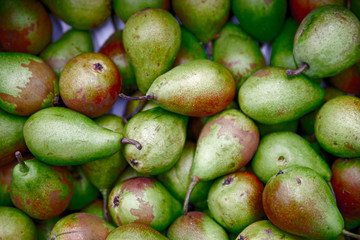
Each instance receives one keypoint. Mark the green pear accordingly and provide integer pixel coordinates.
(196, 226)
(190, 48)
(263, 20)
(11, 135)
(238, 52)
(337, 126)
(264, 229)
(95, 208)
(326, 42)
(162, 135)
(135, 231)
(27, 84)
(281, 150)
(151, 39)
(16, 225)
(270, 96)
(299, 201)
(61, 136)
(283, 45)
(80, 14)
(203, 18)
(234, 200)
(143, 200)
(72, 43)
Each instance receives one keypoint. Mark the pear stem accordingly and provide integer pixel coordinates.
(350, 234)
(56, 100)
(136, 98)
(131, 141)
(135, 111)
(19, 157)
(296, 72)
(104, 193)
(210, 48)
(194, 181)
(113, 20)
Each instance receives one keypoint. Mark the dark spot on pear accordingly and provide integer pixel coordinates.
(134, 162)
(298, 180)
(53, 238)
(228, 180)
(280, 172)
(269, 231)
(335, 143)
(116, 201)
(241, 237)
(281, 158)
(98, 67)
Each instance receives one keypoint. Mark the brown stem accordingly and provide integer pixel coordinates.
(19, 157)
(210, 48)
(113, 20)
(350, 234)
(126, 97)
(194, 181)
(135, 111)
(131, 141)
(56, 100)
(104, 193)
(291, 72)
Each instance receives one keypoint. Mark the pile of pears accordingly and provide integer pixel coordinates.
(242, 120)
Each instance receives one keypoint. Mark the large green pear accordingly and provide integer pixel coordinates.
(61, 136)
(152, 39)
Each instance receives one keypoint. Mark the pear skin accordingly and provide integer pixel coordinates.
(135, 231)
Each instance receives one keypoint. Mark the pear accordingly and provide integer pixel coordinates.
(16, 225)
(348, 80)
(135, 231)
(197, 88)
(281, 150)
(61, 136)
(143, 200)
(27, 84)
(129, 173)
(38, 200)
(238, 52)
(11, 135)
(196, 226)
(26, 26)
(326, 42)
(234, 200)
(299, 201)
(151, 52)
(80, 226)
(95, 208)
(226, 143)
(162, 135)
(264, 229)
(270, 96)
(80, 14)
(203, 18)
(263, 20)
(125, 8)
(44, 227)
(337, 126)
(68, 46)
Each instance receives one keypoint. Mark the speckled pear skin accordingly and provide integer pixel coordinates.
(238, 52)
(263, 20)
(16, 225)
(151, 39)
(11, 135)
(38, 200)
(135, 231)
(337, 126)
(226, 143)
(80, 14)
(80, 226)
(203, 18)
(143, 200)
(196, 226)
(328, 40)
(190, 48)
(71, 44)
(178, 178)
(283, 45)
(299, 201)
(264, 229)
(61, 136)
(27, 84)
(26, 26)
(197, 88)
(162, 135)
(281, 150)
(270, 96)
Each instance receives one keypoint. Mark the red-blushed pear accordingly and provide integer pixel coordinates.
(348, 80)
(90, 84)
